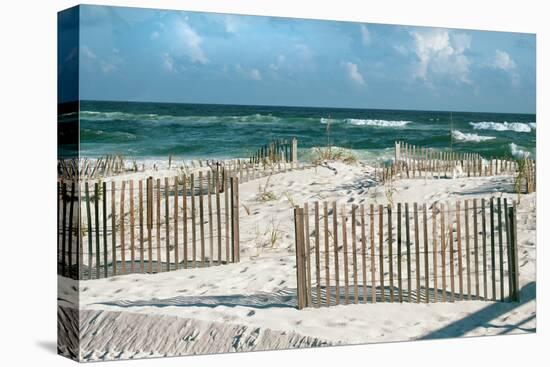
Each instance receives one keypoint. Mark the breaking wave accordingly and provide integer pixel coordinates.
(518, 152)
(460, 136)
(380, 123)
(520, 127)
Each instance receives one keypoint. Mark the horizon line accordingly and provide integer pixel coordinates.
(296, 106)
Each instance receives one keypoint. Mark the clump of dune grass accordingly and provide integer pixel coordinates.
(290, 199)
(324, 154)
(264, 194)
(520, 176)
(330, 153)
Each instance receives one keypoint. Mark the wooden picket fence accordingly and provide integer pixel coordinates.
(279, 150)
(147, 225)
(419, 162)
(277, 156)
(401, 253)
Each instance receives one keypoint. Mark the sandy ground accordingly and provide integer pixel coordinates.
(259, 293)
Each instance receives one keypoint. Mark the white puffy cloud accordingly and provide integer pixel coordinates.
(441, 54)
(106, 64)
(279, 62)
(352, 72)
(191, 42)
(168, 62)
(252, 73)
(365, 35)
(503, 61)
(232, 23)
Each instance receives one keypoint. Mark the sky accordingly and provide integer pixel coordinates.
(132, 54)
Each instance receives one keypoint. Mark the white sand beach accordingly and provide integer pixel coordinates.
(251, 305)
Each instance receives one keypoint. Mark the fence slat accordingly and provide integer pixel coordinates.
(476, 252)
(307, 253)
(417, 251)
(96, 222)
(194, 222)
(399, 275)
(235, 218)
(132, 234)
(184, 220)
(493, 254)
(140, 218)
(201, 219)
(299, 248)
(363, 253)
(327, 254)
(64, 226)
(317, 257)
(500, 250)
(176, 224)
(345, 248)
(443, 250)
(408, 242)
(105, 259)
(210, 221)
(354, 254)
(335, 243)
(149, 198)
(484, 246)
(218, 217)
(167, 222)
(459, 245)
(122, 230)
(426, 255)
(508, 257)
(372, 256)
(434, 254)
(390, 251)
(381, 251)
(158, 227)
(467, 239)
(70, 239)
(227, 223)
(89, 221)
(451, 254)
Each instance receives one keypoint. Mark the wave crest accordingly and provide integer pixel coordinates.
(460, 136)
(380, 123)
(518, 152)
(520, 127)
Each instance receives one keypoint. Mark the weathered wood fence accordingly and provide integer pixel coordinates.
(280, 150)
(418, 162)
(279, 155)
(147, 225)
(406, 253)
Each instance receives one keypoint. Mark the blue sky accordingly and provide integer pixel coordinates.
(134, 54)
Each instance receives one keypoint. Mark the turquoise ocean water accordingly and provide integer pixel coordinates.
(188, 131)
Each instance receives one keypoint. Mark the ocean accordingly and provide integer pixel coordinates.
(197, 131)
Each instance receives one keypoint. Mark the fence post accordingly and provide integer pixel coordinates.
(514, 252)
(235, 219)
(294, 157)
(149, 222)
(64, 224)
(299, 240)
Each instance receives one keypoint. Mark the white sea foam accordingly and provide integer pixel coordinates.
(520, 127)
(460, 136)
(518, 152)
(381, 123)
